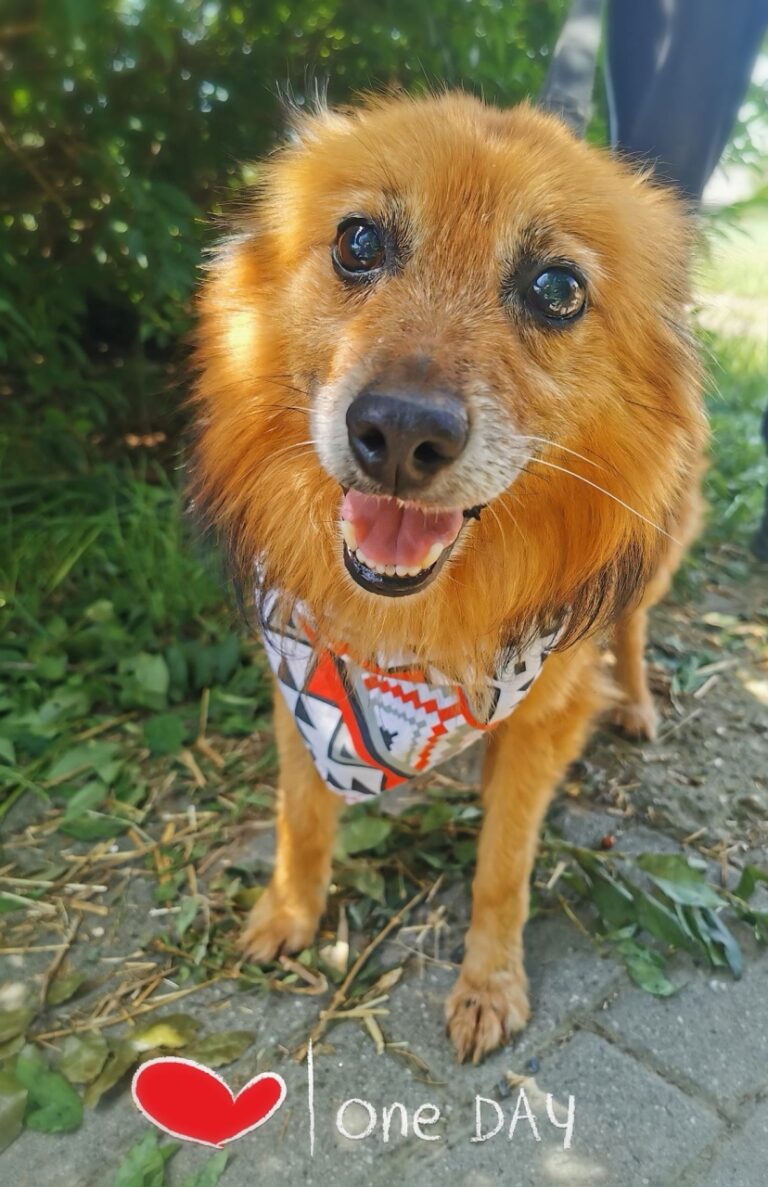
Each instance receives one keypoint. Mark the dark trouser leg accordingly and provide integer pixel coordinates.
(677, 73)
(760, 542)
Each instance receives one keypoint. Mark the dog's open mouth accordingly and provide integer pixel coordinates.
(396, 548)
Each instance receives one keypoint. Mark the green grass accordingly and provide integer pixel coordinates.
(736, 479)
(109, 609)
(735, 259)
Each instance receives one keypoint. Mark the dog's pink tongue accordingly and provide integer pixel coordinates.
(392, 534)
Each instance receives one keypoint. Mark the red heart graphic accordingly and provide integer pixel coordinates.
(191, 1102)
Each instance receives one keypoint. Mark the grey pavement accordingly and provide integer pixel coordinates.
(665, 1092)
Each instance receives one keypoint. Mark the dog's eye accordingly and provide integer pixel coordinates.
(558, 294)
(359, 247)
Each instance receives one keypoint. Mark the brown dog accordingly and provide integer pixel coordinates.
(448, 408)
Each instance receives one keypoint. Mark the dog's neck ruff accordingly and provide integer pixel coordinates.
(369, 729)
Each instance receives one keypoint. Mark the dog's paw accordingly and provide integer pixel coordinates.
(274, 928)
(481, 1017)
(636, 720)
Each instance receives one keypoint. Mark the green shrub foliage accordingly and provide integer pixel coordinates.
(127, 125)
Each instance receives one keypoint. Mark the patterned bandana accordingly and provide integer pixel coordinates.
(369, 729)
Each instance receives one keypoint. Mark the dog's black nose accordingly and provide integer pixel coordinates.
(403, 439)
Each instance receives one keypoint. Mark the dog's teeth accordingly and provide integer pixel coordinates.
(432, 555)
(369, 564)
(348, 532)
(389, 570)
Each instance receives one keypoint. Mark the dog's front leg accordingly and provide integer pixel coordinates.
(286, 916)
(527, 756)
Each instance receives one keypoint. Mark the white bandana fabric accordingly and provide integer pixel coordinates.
(370, 729)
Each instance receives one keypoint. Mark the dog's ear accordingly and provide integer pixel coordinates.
(306, 116)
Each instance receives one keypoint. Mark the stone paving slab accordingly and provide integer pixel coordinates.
(743, 1161)
(631, 1127)
(568, 979)
(655, 1082)
(712, 1037)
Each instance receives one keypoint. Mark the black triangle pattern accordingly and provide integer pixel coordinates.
(285, 676)
(338, 749)
(301, 712)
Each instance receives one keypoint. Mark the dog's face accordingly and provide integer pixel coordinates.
(443, 362)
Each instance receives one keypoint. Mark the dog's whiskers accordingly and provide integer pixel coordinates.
(616, 499)
(508, 510)
(307, 446)
(288, 408)
(505, 506)
(565, 449)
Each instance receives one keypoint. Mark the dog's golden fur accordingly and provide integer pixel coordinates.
(587, 535)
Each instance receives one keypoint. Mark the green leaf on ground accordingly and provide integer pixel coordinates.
(679, 880)
(465, 850)
(83, 1057)
(53, 1106)
(64, 987)
(646, 968)
(437, 815)
(612, 898)
(52, 667)
(91, 796)
(144, 1164)
(15, 1022)
(164, 733)
(145, 681)
(750, 876)
(712, 926)
(367, 880)
(13, 1104)
(217, 1050)
(664, 923)
(362, 833)
(188, 908)
(208, 1175)
(122, 1056)
(93, 826)
(172, 1032)
(11, 1047)
(97, 756)
(248, 896)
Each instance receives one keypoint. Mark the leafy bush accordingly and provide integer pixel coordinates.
(123, 122)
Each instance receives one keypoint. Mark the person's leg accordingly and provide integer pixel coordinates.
(760, 542)
(677, 72)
